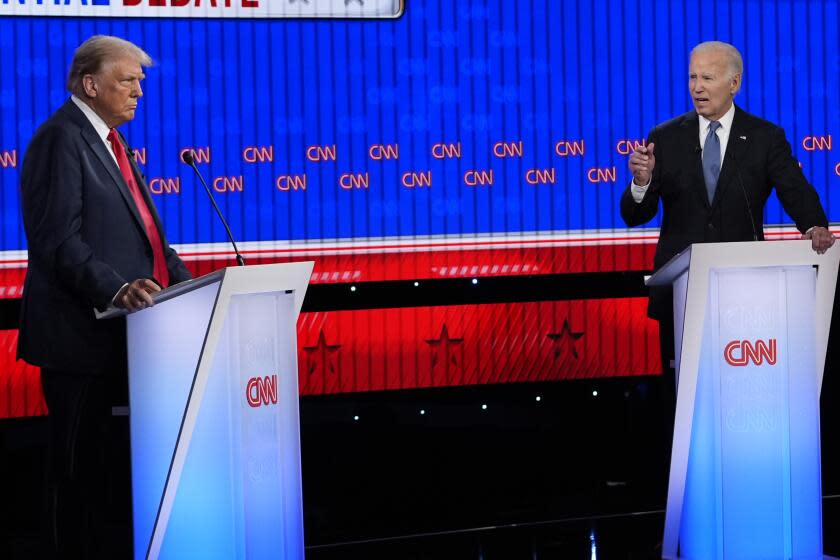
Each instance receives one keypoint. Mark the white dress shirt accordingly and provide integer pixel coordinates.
(102, 131)
(638, 192)
(99, 125)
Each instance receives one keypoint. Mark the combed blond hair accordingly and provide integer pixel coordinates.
(94, 53)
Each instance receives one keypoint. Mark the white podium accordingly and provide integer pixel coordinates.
(215, 442)
(751, 327)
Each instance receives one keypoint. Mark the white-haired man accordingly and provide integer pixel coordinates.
(712, 169)
(94, 240)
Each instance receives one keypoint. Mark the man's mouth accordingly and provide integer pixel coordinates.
(701, 99)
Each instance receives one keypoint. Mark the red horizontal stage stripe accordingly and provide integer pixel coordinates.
(430, 264)
(448, 246)
(462, 263)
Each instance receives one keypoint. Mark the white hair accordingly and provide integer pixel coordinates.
(734, 60)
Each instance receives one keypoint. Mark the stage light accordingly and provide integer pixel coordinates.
(416, 283)
(484, 407)
(539, 398)
(356, 418)
(475, 280)
(422, 412)
(352, 288)
(594, 393)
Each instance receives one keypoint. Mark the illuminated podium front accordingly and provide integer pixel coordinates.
(215, 442)
(751, 325)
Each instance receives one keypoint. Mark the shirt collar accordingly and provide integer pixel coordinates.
(99, 125)
(725, 121)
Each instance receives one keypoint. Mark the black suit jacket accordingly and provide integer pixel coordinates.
(86, 239)
(757, 158)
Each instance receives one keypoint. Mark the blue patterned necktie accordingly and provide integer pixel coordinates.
(711, 160)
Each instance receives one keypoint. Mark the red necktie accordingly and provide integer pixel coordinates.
(161, 273)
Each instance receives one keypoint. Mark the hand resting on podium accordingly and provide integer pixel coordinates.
(136, 295)
(821, 238)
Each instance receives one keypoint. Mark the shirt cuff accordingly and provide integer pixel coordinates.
(637, 192)
(114, 299)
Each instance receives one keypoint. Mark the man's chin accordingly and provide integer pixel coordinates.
(124, 118)
(703, 111)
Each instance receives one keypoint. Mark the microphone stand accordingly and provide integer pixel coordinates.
(188, 158)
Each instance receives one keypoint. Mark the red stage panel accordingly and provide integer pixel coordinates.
(11, 282)
(408, 348)
(20, 383)
(368, 350)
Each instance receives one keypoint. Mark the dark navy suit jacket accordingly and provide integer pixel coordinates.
(758, 158)
(85, 239)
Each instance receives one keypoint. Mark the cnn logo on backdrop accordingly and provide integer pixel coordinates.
(742, 352)
(261, 391)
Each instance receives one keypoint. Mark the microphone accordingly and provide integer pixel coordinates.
(746, 198)
(187, 157)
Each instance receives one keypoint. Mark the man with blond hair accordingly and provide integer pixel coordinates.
(95, 241)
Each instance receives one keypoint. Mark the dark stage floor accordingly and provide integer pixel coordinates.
(621, 536)
(636, 535)
(630, 536)
(487, 472)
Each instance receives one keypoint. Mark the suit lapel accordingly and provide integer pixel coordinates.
(98, 147)
(107, 160)
(735, 148)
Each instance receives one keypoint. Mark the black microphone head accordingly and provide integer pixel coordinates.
(187, 157)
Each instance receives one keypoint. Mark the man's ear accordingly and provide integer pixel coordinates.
(736, 84)
(89, 85)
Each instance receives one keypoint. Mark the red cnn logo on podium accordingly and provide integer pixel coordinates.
(261, 391)
(741, 352)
